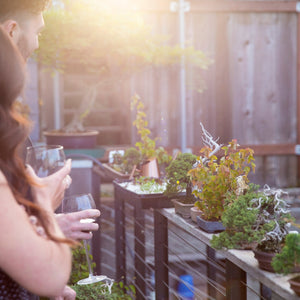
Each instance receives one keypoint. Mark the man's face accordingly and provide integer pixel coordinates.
(28, 37)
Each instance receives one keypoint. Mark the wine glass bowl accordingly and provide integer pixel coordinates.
(46, 159)
(77, 203)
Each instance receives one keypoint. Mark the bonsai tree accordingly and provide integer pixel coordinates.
(216, 176)
(147, 145)
(145, 148)
(178, 179)
(125, 163)
(242, 221)
(273, 210)
(289, 257)
(110, 45)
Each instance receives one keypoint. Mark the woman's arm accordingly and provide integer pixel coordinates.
(36, 263)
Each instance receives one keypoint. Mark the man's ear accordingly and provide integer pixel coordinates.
(12, 28)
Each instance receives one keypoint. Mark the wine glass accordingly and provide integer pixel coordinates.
(45, 160)
(77, 203)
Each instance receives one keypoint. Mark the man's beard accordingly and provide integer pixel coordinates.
(23, 47)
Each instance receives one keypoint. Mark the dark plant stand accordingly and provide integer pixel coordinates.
(210, 226)
(140, 202)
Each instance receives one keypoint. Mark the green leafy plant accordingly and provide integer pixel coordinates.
(118, 45)
(125, 163)
(214, 177)
(145, 148)
(177, 176)
(150, 185)
(289, 257)
(98, 291)
(242, 222)
(80, 267)
(146, 145)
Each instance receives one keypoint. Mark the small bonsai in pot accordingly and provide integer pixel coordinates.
(216, 176)
(147, 145)
(135, 159)
(273, 213)
(244, 228)
(179, 181)
(289, 258)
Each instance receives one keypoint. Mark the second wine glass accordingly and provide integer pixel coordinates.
(45, 160)
(77, 203)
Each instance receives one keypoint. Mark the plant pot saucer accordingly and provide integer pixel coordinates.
(210, 226)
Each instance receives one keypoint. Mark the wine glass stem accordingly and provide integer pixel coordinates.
(88, 258)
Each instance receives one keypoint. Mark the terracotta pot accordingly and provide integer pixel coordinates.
(150, 168)
(210, 226)
(182, 209)
(80, 140)
(195, 211)
(264, 260)
(295, 284)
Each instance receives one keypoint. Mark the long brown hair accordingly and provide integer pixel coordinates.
(14, 129)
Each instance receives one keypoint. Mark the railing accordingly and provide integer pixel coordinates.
(244, 280)
(154, 247)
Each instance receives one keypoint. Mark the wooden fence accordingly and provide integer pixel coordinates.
(251, 90)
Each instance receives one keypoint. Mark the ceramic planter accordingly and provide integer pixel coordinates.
(182, 209)
(295, 284)
(194, 213)
(210, 226)
(112, 174)
(264, 260)
(80, 140)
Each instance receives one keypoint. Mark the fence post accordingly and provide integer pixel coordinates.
(161, 256)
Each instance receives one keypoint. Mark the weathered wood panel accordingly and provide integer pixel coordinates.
(251, 89)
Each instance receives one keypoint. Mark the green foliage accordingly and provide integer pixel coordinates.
(92, 38)
(150, 185)
(146, 145)
(98, 38)
(97, 291)
(80, 267)
(219, 176)
(132, 157)
(289, 257)
(242, 228)
(177, 175)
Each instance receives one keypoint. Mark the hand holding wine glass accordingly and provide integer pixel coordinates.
(45, 160)
(48, 167)
(78, 203)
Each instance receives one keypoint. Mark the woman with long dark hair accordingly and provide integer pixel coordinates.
(35, 256)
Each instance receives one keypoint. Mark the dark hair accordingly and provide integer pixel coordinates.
(14, 129)
(10, 7)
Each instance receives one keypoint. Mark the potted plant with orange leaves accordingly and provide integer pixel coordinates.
(220, 170)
